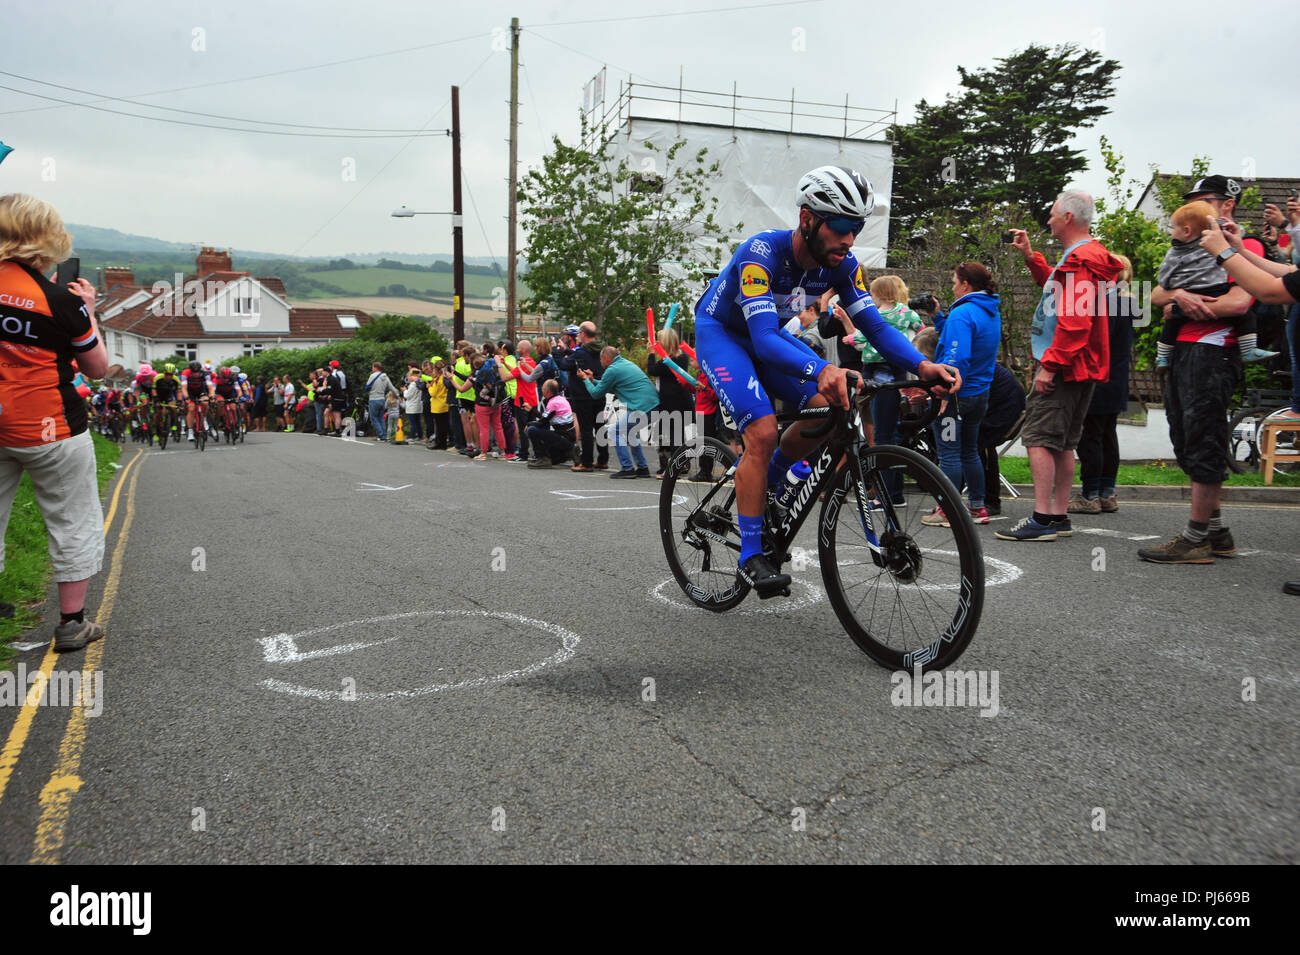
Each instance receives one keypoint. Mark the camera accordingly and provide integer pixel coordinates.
(1008, 237)
(925, 302)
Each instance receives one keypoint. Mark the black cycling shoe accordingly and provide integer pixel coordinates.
(759, 574)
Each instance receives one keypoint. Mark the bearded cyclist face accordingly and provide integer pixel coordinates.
(827, 246)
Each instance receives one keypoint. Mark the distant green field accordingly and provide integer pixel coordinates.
(368, 281)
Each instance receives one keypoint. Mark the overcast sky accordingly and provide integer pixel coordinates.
(292, 195)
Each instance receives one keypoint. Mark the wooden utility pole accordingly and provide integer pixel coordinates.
(511, 251)
(457, 226)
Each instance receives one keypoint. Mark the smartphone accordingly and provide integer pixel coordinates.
(1008, 237)
(68, 272)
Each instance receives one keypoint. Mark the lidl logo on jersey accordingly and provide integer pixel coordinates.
(754, 281)
(857, 280)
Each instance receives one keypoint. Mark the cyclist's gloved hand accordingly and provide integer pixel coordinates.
(947, 378)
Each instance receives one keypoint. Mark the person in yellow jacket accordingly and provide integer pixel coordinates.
(438, 430)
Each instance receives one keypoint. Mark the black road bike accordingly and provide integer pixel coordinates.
(909, 594)
(1245, 433)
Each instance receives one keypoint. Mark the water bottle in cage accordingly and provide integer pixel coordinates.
(794, 479)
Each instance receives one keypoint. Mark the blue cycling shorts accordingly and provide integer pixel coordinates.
(738, 376)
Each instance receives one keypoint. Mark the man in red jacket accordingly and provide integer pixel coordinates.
(1072, 346)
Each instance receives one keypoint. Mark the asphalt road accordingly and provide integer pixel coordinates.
(389, 654)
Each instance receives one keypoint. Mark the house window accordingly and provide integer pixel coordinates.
(253, 348)
(246, 305)
(117, 343)
(190, 351)
(348, 321)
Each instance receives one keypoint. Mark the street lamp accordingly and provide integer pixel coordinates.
(458, 265)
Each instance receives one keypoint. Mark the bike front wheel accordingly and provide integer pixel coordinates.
(699, 526)
(908, 593)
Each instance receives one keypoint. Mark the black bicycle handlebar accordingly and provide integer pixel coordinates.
(833, 419)
(835, 416)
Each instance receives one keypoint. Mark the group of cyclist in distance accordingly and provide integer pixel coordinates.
(747, 356)
(153, 397)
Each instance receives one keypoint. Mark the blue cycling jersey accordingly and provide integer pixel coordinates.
(763, 286)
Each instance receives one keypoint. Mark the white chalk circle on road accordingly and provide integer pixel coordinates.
(283, 649)
(1002, 572)
(590, 494)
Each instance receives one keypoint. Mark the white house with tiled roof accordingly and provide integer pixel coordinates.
(217, 313)
(1274, 190)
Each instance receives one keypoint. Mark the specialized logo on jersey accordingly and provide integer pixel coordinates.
(759, 247)
(857, 280)
(754, 281)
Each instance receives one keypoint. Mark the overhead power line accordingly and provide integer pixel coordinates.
(231, 129)
(366, 185)
(682, 13)
(104, 97)
(262, 76)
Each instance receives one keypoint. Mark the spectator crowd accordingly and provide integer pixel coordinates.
(564, 402)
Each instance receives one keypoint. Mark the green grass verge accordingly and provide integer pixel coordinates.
(1016, 470)
(26, 578)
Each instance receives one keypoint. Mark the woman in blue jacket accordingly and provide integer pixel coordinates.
(972, 334)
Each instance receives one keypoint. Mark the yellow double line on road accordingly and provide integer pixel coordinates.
(64, 782)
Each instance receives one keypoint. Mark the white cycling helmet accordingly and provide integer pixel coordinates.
(242, 377)
(836, 191)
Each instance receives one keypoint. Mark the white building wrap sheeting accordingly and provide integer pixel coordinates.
(759, 172)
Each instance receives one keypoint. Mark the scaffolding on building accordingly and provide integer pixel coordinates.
(681, 104)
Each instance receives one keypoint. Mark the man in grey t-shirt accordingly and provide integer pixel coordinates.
(378, 387)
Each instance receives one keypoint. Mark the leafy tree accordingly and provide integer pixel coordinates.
(942, 240)
(355, 356)
(600, 234)
(1133, 234)
(1004, 138)
(394, 328)
(1169, 192)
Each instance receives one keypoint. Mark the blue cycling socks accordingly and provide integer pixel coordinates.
(777, 469)
(751, 536)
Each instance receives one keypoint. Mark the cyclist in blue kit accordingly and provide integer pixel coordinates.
(746, 354)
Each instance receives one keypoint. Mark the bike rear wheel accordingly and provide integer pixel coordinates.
(1243, 441)
(909, 594)
(702, 541)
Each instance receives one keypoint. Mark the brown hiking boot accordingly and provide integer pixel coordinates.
(1179, 550)
(73, 636)
(1221, 543)
(1081, 505)
(1109, 505)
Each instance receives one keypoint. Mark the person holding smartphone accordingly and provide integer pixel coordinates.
(48, 334)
